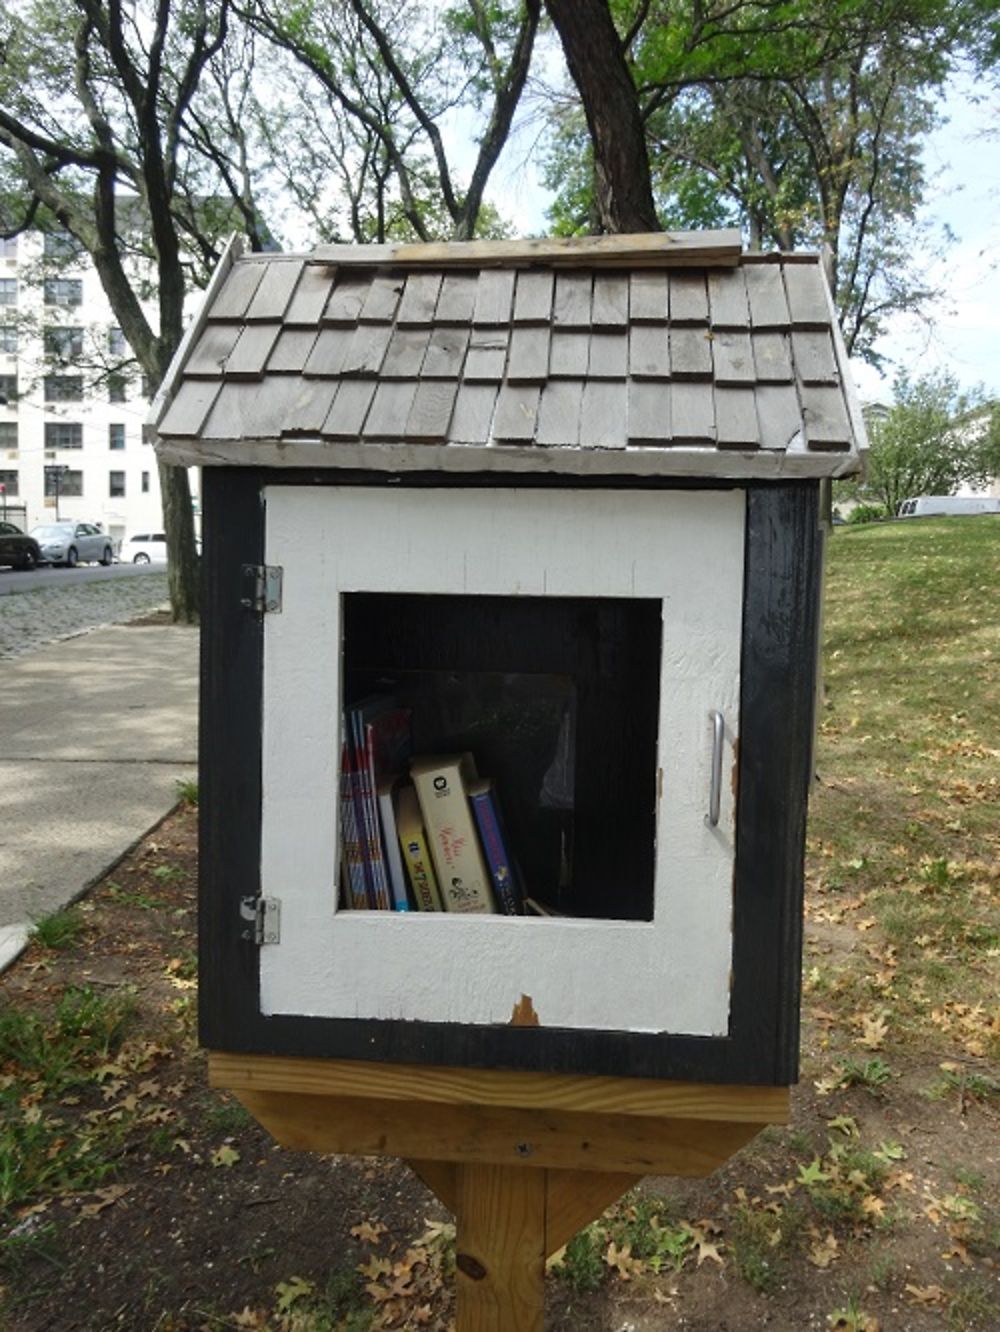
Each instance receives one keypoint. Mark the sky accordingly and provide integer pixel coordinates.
(962, 333)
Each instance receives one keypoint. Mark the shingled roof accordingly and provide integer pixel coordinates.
(669, 354)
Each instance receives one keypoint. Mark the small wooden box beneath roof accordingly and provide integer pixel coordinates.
(670, 355)
(498, 435)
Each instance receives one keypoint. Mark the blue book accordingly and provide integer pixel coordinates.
(504, 874)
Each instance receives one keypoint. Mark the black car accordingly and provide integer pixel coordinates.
(16, 549)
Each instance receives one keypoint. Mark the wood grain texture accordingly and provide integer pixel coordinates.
(649, 351)
(609, 351)
(648, 412)
(494, 296)
(472, 417)
(780, 415)
(766, 293)
(308, 407)
(772, 357)
(565, 1140)
(569, 354)
(559, 413)
(688, 298)
(431, 410)
(329, 352)
(692, 413)
(457, 299)
(609, 306)
(212, 350)
(234, 299)
(727, 299)
(528, 362)
(516, 412)
(736, 418)
(574, 1198)
(733, 358)
(250, 354)
(807, 300)
(309, 299)
(291, 351)
(270, 300)
(500, 1249)
(405, 353)
(445, 353)
(533, 298)
(571, 306)
(390, 409)
(382, 299)
(420, 298)
(827, 425)
(438, 1085)
(190, 409)
(812, 352)
(603, 415)
(349, 409)
(649, 297)
(346, 299)
(367, 349)
(690, 352)
(486, 359)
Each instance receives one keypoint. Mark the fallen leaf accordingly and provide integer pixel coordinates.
(874, 1030)
(926, 1294)
(368, 1232)
(106, 1197)
(823, 1252)
(290, 1292)
(225, 1156)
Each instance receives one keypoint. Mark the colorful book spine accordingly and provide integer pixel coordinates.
(416, 853)
(390, 844)
(441, 785)
(366, 813)
(350, 842)
(496, 848)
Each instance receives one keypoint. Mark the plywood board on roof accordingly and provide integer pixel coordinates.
(608, 354)
(251, 352)
(457, 299)
(486, 358)
(772, 357)
(609, 306)
(406, 351)
(603, 415)
(420, 297)
(390, 408)
(727, 298)
(349, 409)
(766, 293)
(382, 299)
(649, 412)
(291, 351)
(649, 297)
(472, 416)
(270, 300)
(649, 351)
(533, 297)
(430, 413)
(736, 418)
(212, 350)
(692, 413)
(571, 304)
(516, 412)
(812, 351)
(347, 298)
(310, 296)
(690, 352)
(494, 298)
(234, 299)
(569, 354)
(559, 413)
(732, 357)
(827, 424)
(688, 298)
(779, 414)
(367, 349)
(445, 353)
(807, 299)
(186, 414)
(329, 352)
(528, 362)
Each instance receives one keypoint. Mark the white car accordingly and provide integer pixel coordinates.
(144, 548)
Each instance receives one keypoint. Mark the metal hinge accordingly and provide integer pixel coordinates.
(262, 920)
(261, 587)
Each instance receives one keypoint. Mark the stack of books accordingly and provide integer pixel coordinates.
(418, 833)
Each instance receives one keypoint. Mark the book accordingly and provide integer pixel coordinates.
(441, 784)
(357, 896)
(504, 873)
(379, 737)
(416, 853)
(390, 843)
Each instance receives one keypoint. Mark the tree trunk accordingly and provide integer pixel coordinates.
(597, 63)
(178, 523)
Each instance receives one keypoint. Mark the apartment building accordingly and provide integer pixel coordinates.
(72, 402)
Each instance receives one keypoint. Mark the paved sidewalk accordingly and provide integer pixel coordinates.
(95, 733)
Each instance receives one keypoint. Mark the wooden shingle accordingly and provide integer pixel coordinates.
(445, 353)
(347, 299)
(252, 350)
(533, 298)
(328, 352)
(420, 298)
(649, 351)
(457, 299)
(608, 354)
(807, 301)
(274, 292)
(431, 411)
(309, 299)
(291, 351)
(472, 416)
(649, 413)
(390, 408)
(516, 413)
(349, 408)
(212, 350)
(779, 414)
(609, 306)
(727, 299)
(571, 306)
(494, 296)
(569, 354)
(486, 359)
(732, 357)
(736, 418)
(366, 349)
(528, 361)
(238, 291)
(382, 300)
(559, 413)
(688, 298)
(649, 297)
(189, 410)
(812, 350)
(603, 415)
(690, 352)
(405, 353)
(766, 293)
(692, 413)
(827, 424)
(308, 409)
(772, 357)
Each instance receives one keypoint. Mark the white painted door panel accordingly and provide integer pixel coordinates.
(684, 548)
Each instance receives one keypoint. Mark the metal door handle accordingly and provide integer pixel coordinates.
(715, 792)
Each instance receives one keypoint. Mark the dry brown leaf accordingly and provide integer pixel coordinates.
(874, 1030)
(926, 1294)
(368, 1232)
(823, 1252)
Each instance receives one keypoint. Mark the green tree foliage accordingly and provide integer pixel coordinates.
(933, 439)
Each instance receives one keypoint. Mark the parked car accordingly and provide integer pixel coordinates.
(17, 549)
(73, 543)
(144, 548)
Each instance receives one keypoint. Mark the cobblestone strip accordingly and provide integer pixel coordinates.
(29, 620)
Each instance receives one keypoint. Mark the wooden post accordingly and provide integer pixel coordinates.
(500, 1249)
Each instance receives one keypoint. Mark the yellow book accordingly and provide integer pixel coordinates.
(416, 855)
(441, 785)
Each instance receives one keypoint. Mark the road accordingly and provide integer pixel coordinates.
(45, 576)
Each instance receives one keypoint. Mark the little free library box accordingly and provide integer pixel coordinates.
(535, 522)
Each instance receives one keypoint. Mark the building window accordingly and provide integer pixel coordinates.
(8, 390)
(8, 291)
(64, 388)
(9, 483)
(63, 435)
(116, 436)
(116, 485)
(64, 291)
(117, 345)
(63, 343)
(8, 434)
(70, 482)
(117, 388)
(8, 338)
(8, 247)
(62, 245)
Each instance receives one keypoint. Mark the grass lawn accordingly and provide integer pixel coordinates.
(133, 1197)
